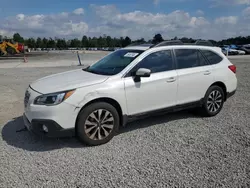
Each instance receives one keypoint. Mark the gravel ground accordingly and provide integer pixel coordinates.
(179, 149)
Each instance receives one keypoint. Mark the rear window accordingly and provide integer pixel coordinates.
(212, 57)
(189, 58)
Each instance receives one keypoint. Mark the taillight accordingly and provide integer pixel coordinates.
(232, 68)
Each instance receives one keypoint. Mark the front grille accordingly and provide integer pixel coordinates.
(26, 98)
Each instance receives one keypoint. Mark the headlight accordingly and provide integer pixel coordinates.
(53, 98)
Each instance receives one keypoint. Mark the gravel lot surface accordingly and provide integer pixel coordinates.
(179, 149)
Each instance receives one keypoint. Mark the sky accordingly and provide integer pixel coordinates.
(206, 19)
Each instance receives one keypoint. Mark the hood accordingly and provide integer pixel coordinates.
(66, 81)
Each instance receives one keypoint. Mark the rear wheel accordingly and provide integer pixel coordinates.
(213, 101)
(97, 124)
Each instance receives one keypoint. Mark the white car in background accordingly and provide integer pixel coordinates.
(241, 52)
(238, 52)
(129, 83)
(233, 50)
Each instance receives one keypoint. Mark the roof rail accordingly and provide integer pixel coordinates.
(179, 42)
(168, 43)
(146, 44)
(141, 44)
(171, 43)
(204, 43)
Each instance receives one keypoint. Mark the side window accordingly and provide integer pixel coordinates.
(212, 57)
(157, 62)
(187, 58)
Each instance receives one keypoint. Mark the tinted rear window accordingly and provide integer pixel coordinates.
(212, 57)
(188, 58)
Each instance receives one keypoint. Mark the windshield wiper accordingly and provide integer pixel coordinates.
(85, 68)
(100, 72)
(114, 67)
(92, 71)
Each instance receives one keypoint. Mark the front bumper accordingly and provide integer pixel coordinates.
(54, 129)
(59, 119)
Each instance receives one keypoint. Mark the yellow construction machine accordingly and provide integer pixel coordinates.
(3, 49)
(9, 48)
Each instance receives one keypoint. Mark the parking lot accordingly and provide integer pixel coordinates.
(179, 149)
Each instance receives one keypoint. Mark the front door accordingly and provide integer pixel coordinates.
(155, 92)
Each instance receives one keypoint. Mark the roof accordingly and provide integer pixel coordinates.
(187, 46)
(146, 46)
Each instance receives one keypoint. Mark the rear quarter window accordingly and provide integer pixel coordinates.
(212, 57)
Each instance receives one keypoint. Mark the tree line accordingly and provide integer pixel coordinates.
(109, 42)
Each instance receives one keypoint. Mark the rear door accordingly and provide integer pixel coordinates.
(219, 65)
(194, 75)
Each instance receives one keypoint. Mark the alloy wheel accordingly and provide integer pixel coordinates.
(99, 124)
(214, 101)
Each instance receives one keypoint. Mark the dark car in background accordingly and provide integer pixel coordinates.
(245, 48)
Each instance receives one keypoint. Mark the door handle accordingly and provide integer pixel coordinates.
(207, 72)
(171, 79)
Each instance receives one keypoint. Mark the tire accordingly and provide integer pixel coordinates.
(90, 124)
(213, 101)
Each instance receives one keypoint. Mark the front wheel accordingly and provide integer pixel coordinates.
(213, 101)
(97, 124)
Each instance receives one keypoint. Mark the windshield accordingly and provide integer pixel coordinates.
(115, 62)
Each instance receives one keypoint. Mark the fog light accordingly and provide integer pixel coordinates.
(45, 128)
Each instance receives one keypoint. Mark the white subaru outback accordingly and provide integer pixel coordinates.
(92, 103)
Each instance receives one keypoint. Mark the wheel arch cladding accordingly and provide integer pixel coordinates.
(223, 87)
(110, 101)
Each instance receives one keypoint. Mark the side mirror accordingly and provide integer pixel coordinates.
(142, 72)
